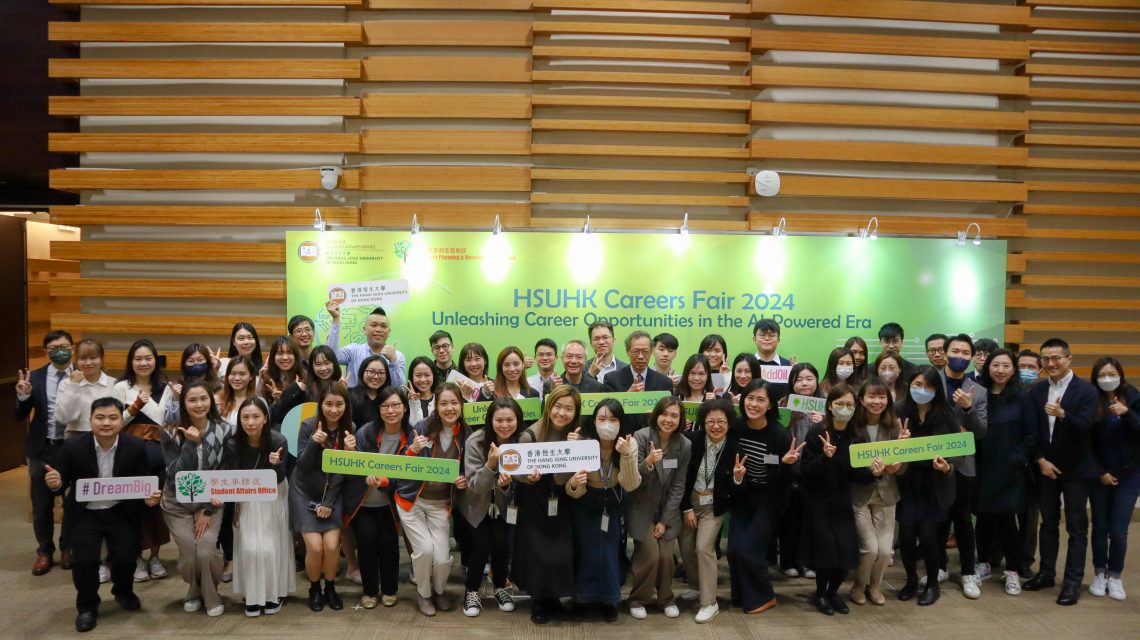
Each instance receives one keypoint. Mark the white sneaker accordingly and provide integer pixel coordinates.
(792, 573)
(707, 613)
(471, 605)
(971, 587)
(157, 571)
(1099, 585)
(142, 574)
(191, 606)
(104, 573)
(1012, 583)
(1116, 589)
(637, 613)
(689, 595)
(943, 575)
(983, 570)
(672, 611)
(809, 574)
(503, 597)
(216, 611)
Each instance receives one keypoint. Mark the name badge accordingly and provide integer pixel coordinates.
(705, 499)
(512, 514)
(552, 507)
(669, 463)
(605, 522)
(771, 458)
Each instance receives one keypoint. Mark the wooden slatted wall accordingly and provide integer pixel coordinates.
(202, 122)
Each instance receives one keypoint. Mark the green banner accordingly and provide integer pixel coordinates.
(517, 287)
(633, 403)
(912, 449)
(359, 463)
(692, 407)
(476, 412)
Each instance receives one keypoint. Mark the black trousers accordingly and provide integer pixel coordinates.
(750, 532)
(43, 502)
(119, 530)
(377, 548)
(489, 540)
(1075, 494)
(961, 514)
(1029, 520)
(226, 534)
(920, 536)
(999, 537)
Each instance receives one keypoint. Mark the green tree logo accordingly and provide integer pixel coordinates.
(402, 248)
(191, 485)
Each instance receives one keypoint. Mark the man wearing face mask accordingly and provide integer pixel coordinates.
(1028, 368)
(970, 402)
(36, 393)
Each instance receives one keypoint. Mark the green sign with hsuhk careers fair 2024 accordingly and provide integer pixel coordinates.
(517, 287)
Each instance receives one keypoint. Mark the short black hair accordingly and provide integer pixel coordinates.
(938, 336)
(599, 323)
(964, 339)
(890, 331)
(437, 336)
(1053, 343)
(668, 340)
(378, 311)
(546, 342)
(296, 321)
(56, 335)
(985, 344)
(1029, 353)
(108, 401)
(765, 324)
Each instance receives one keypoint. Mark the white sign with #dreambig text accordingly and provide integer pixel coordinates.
(370, 293)
(127, 488)
(238, 485)
(570, 456)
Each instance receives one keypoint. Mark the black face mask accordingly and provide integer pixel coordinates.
(60, 356)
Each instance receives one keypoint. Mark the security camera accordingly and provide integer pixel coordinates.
(329, 177)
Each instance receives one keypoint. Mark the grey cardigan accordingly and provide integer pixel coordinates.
(658, 499)
(482, 483)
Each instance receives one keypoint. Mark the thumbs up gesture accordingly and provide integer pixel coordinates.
(578, 480)
(275, 457)
(625, 445)
(418, 444)
(793, 454)
(828, 448)
(320, 436)
(175, 390)
(493, 457)
(350, 442)
(575, 434)
(941, 465)
(654, 456)
(389, 351)
(555, 381)
(23, 383)
(738, 469)
(52, 478)
(191, 434)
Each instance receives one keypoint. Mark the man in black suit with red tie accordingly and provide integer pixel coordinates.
(637, 375)
(1064, 407)
(102, 453)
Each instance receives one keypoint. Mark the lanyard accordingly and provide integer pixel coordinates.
(707, 475)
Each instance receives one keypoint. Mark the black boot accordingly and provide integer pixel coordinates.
(316, 598)
(909, 589)
(823, 604)
(930, 595)
(331, 596)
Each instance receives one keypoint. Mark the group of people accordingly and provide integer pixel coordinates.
(666, 484)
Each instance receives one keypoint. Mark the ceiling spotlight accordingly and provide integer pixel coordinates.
(415, 225)
(871, 230)
(684, 230)
(962, 235)
(780, 230)
(318, 221)
(498, 228)
(586, 227)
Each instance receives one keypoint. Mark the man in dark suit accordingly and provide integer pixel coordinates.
(1064, 407)
(892, 338)
(102, 453)
(573, 371)
(638, 375)
(766, 335)
(35, 398)
(601, 335)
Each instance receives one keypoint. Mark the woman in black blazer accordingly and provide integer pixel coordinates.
(372, 376)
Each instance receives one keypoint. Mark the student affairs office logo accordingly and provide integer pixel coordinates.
(308, 251)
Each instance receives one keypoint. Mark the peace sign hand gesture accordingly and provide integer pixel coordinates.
(23, 383)
(793, 454)
(904, 433)
(828, 448)
(738, 469)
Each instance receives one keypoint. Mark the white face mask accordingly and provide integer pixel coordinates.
(844, 373)
(608, 430)
(1108, 383)
(889, 375)
(842, 414)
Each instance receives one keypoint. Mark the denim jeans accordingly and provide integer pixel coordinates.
(1111, 513)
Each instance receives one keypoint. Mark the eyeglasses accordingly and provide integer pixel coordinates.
(716, 423)
(769, 335)
(302, 331)
(443, 346)
(373, 373)
(936, 350)
(1053, 359)
(639, 352)
(391, 406)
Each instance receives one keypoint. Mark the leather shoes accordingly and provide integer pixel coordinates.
(129, 602)
(909, 589)
(316, 599)
(839, 605)
(43, 564)
(1037, 583)
(929, 596)
(538, 614)
(332, 598)
(823, 605)
(65, 560)
(85, 621)
(1069, 595)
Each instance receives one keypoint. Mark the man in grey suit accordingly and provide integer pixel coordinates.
(970, 402)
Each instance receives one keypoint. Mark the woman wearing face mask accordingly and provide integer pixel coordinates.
(423, 381)
(195, 367)
(283, 368)
(142, 418)
(368, 505)
(858, 348)
(1002, 458)
(804, 382)
(263, 548)
(825, 474)
(542, 563)
(874, 491)
(1116, 445)
(85, 384)
(597, 512)
(652, 513)
(487, 503)
(473, 360)
(745, 369)
(695, 384)
(315, 506)
(840, 367)
(509, 379)
(927, 488)
(761, 475)
(705, 502)
(371, 378)
(425, 506)
(888, 367)
(323, 373)
(196, 442)
(715, 349)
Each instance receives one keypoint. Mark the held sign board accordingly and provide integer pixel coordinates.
(127, 488)
(912, 449)
(774, 373)
(806, 404)
(370, 293)
(475, 413)
(360, 463)
(632, 402)
(255, 485)
(569, 456)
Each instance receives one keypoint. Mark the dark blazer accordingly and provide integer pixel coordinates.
(308, 477)
(36, 407)
(779, 389)
(587, 385)
(1070, 448)
(618, 361)
(619, 382)
(722, 476)
(77, 461)
(232, 460)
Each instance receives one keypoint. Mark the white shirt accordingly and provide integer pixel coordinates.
(1056, 391)
(106, 460)
(127, 394)
(612, 366)
(763, 360)
(536, 381)
(73, 401)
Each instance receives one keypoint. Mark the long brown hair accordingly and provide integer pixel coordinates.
(344, 424)
(501, 379)
(228, 399)
(543, 425)
(887, 420)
